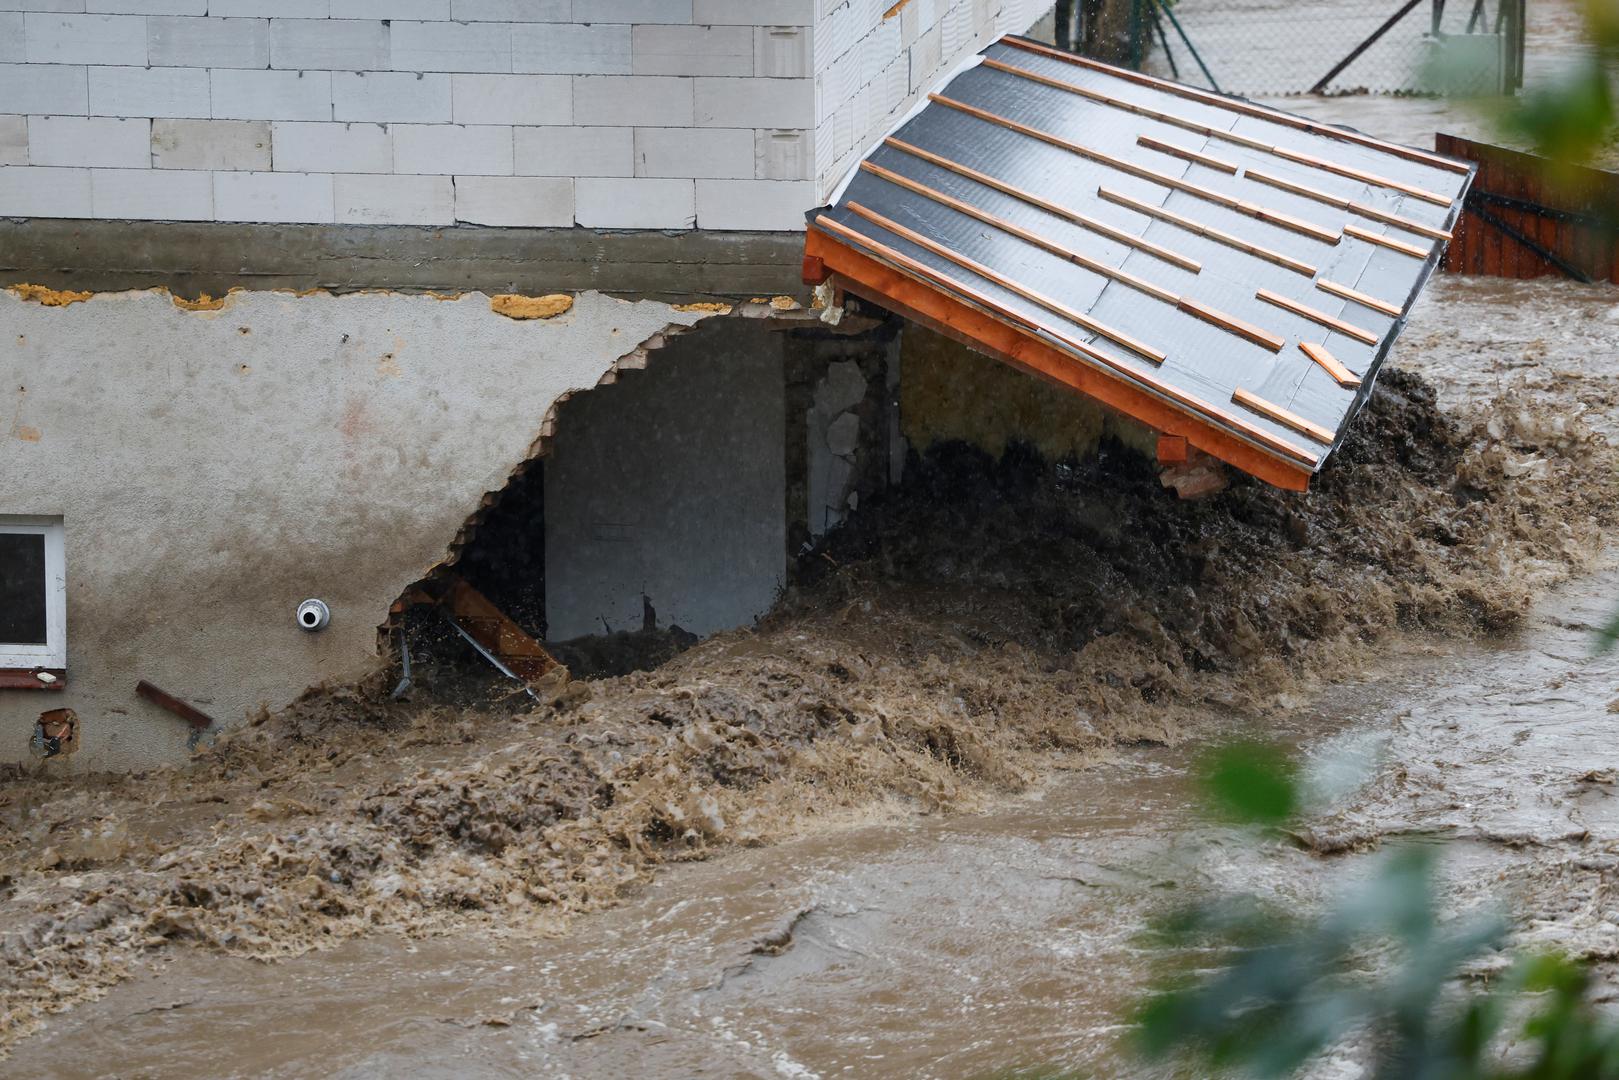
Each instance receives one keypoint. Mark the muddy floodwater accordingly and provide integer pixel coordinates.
(943, 946)
(956, 898)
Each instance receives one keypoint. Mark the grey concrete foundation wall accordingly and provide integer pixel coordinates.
(214, 468)
(194, 257)
(671, 483)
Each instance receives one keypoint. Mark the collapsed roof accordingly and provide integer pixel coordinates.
(1220, 270)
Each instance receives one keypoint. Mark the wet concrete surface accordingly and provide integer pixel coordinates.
(948, 946)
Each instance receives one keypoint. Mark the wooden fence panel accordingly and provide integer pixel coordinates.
(1570, 214)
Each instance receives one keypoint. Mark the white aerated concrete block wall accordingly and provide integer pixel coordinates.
(875, 58)
(634, 114)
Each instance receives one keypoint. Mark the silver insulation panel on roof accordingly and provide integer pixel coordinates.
(1194, 242)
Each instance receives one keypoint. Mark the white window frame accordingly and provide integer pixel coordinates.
(52, 654)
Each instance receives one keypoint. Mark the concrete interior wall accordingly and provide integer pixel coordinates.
(669, 484)
(214, 468)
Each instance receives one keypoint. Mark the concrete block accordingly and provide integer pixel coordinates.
(615, 203)
(782, 52)
(211, 144)
(452, 148)
(514, 201)
(394, 200)
(133, 91)
(552, 11)
(753, 204)
(58, 89)
(693, 50)
(391, 9)
(632, 100)
(752, 12)
(147, 7)
(879, 47)
(633, 11)
(273, 197)
(271, 95)
(447, 46)
(690, 152)
(94, 141)
(209, 43)
(11, 51)
(783, 155)
(511, 99)
(391, 97)
(575, 151)
(30, 191)
(335, 44)
(84, 39)
(151, 195)
(66, 6)
(333, 148)
(13, 140)
(926, 57)
(754, 103)
(599, 49)
(263, 9)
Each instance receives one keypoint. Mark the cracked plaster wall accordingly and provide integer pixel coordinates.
(216, 467)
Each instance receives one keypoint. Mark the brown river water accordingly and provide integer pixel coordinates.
(946, 945)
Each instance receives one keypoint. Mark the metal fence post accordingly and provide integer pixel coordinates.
(1136, 51)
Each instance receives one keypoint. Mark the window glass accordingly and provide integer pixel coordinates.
(22, 589)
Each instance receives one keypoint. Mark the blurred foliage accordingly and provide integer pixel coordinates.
(1262, 992)
(1572, 118)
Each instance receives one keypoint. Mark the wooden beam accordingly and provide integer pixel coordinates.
(1273, 411)
(1225, 136)
(1343, 203)
(1067, 213)
(899, 283)
(165, 700)
(1078, 318)
(1333, 366)
(1360, 334)
(1385, 241)
(1186, 154)
(1209, 231)
(1244, 107)
(1263, 213)
(1364, 299)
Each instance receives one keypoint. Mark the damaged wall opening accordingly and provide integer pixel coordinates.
(654, 516)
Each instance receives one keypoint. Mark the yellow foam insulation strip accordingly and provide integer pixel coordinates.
(709, 306)
(514, 306)
(41, 294)
(203, 302)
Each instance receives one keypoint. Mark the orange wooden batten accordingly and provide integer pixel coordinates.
(1230, 323)
(1271, 460)
(1237, 106)
(1270, 409)
(1386, 241)
(1364, 299)
(1078, 318)
(1263, 213)
(1047, 205)
(1225, 136)
(1199, 229)
(1330, 363)
(1361, 335)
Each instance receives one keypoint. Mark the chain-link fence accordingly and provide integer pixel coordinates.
(1310, 46)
